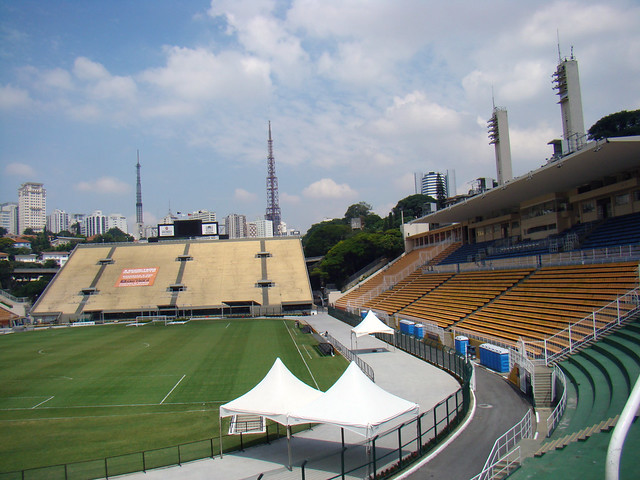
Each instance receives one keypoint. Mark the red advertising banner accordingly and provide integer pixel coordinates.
(137, 277)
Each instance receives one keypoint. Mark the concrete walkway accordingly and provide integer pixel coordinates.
(395, 371)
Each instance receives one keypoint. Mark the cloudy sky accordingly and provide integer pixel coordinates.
(360, 95)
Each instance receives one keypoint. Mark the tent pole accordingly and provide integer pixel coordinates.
(220, 425)
(342, 452)
(289, 446)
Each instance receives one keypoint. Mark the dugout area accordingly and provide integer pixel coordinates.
(190, 278)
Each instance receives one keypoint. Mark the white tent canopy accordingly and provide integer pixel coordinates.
(277, 394)
(371, 324)
(356, 403)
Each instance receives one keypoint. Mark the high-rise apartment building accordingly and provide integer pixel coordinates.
(204, 215)
(236, 225)
(32, 207)
(260, 229)
(434, 184)
(78, 218)
(58, 221)
(95, 224)
(119, 221)
(9, 217)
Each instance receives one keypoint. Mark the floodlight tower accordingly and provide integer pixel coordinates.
(499, 137)
(273, 204)
(566, 81)
(139, 220)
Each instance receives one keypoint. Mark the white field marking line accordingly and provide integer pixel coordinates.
(98, 416)
(228, 325)
(146, 344)
(174, 387)
(71, 407)
(45, 401)
(305, 349)
(301, 356)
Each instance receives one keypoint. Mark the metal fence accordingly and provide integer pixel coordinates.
(351, 356)
(144, 460)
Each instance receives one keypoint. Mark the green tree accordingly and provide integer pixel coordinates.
(322, 236)
(354, 253)
(620, 124)
(3, 231)
(29, 231)
(7, 245)
(6, 275)
(113, 235)
(411, 207)
(360, 209)
(41, 243)
(75, 228)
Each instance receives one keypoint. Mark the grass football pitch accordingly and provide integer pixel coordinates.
(75, 394)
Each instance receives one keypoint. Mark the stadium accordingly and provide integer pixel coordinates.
(516, 336)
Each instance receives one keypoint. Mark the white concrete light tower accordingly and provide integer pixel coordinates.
(566, 80)
(499, 137)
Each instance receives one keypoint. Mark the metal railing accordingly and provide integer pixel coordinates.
(351, 356)
(505, 446)
(554, 418)
(586, 330)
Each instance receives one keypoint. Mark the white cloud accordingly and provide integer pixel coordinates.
(85, 69)
(328, 188)
(19, 170)
(289, 199)
(12, 97)
(103, 185)
(243, 195)
(197, 75)
(57, 78)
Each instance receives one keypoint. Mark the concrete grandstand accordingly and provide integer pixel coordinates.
(546, 266)
(178, 278)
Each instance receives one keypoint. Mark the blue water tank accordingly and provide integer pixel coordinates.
(462, 344)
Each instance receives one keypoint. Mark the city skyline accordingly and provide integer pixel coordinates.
(359, 99)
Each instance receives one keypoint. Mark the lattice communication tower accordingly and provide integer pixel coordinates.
(139, 220)
(273, 203)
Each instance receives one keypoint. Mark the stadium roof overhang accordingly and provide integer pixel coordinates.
(595, 160)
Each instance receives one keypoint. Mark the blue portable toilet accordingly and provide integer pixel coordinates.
(462, 344)
(419, 330)
(494, 357)
(406, 327)
(363, 314)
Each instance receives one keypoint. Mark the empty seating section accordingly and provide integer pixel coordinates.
(407, 291)
(290, 283)
(111, 297)
(185, 274)
(551, 299)
(373, 286)
(462, 294)
(599, 381)
(622, 230)
(467, 253)
(64, 294)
